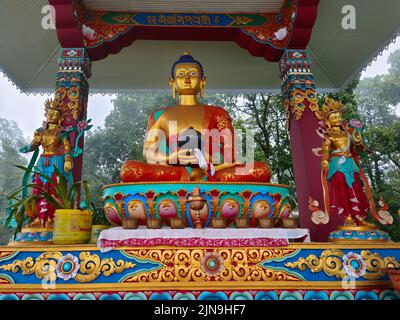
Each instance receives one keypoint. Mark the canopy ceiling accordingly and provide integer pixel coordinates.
(186, 5)
(28, 53)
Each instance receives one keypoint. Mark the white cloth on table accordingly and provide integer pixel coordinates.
(142, 232)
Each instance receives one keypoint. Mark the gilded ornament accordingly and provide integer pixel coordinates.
(73, 93)
(60, 93)
(331, 262)
(222, 122)
(188, 265)
(48, 266)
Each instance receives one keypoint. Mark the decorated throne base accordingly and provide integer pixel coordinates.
(168, 201)
(358, 233)
(301, 271)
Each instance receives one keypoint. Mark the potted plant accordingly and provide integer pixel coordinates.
(99, 222)
(72, 223)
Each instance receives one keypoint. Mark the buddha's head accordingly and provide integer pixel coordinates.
(187, 76)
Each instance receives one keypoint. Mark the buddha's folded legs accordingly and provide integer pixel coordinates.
(250, 172)
(136, 171)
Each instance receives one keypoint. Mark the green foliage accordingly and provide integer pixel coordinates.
(60, 195)
(11, 139)
(377, 99)
(98, 216)
(121, 139)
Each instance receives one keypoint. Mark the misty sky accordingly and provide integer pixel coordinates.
(28, 111)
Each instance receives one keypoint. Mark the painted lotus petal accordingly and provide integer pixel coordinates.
(84, 296)
(135, 296)
(341, 295)
(287, 295)
(212, 296)
(35, 296)
(184, 296)
(61, 296)
(366, 295)
(389, 295)
(112, 296)
(270, 295)
(9, 297)
(241, 296)
(160, 296)
(316, 295)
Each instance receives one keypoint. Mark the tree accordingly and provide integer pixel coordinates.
(121, 139)
(11, 139)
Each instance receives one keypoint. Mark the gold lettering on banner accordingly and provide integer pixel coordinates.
(205, 20)
(161, 19)
(188, 20)
(196, 20)
(171, 20)
(177, 19)
(152, 20)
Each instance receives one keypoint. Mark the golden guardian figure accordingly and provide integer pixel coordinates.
(347, 191)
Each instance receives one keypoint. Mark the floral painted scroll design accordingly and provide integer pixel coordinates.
(220, 265)
(335, 263)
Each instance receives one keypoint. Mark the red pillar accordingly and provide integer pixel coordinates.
(301, 102)
(72, 90)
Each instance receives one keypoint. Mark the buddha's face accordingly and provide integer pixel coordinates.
(335, 119)
(187, 78)
(52, 116)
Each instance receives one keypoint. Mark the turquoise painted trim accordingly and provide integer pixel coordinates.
(293, 254)
(293, 273)
(9, 257)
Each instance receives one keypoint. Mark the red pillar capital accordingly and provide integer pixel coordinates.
(72, 91)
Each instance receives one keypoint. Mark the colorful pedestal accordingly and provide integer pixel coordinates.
(322, 271)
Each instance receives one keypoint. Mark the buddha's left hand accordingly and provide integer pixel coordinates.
(67, 166)
(185, 159)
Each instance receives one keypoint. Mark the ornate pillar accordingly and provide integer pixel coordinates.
(301, 103)
(72, 91)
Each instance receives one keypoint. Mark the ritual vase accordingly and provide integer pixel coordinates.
(96, 230)
(72, 226)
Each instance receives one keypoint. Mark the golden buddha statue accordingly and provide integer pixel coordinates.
(56, 154)
(190, 141)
